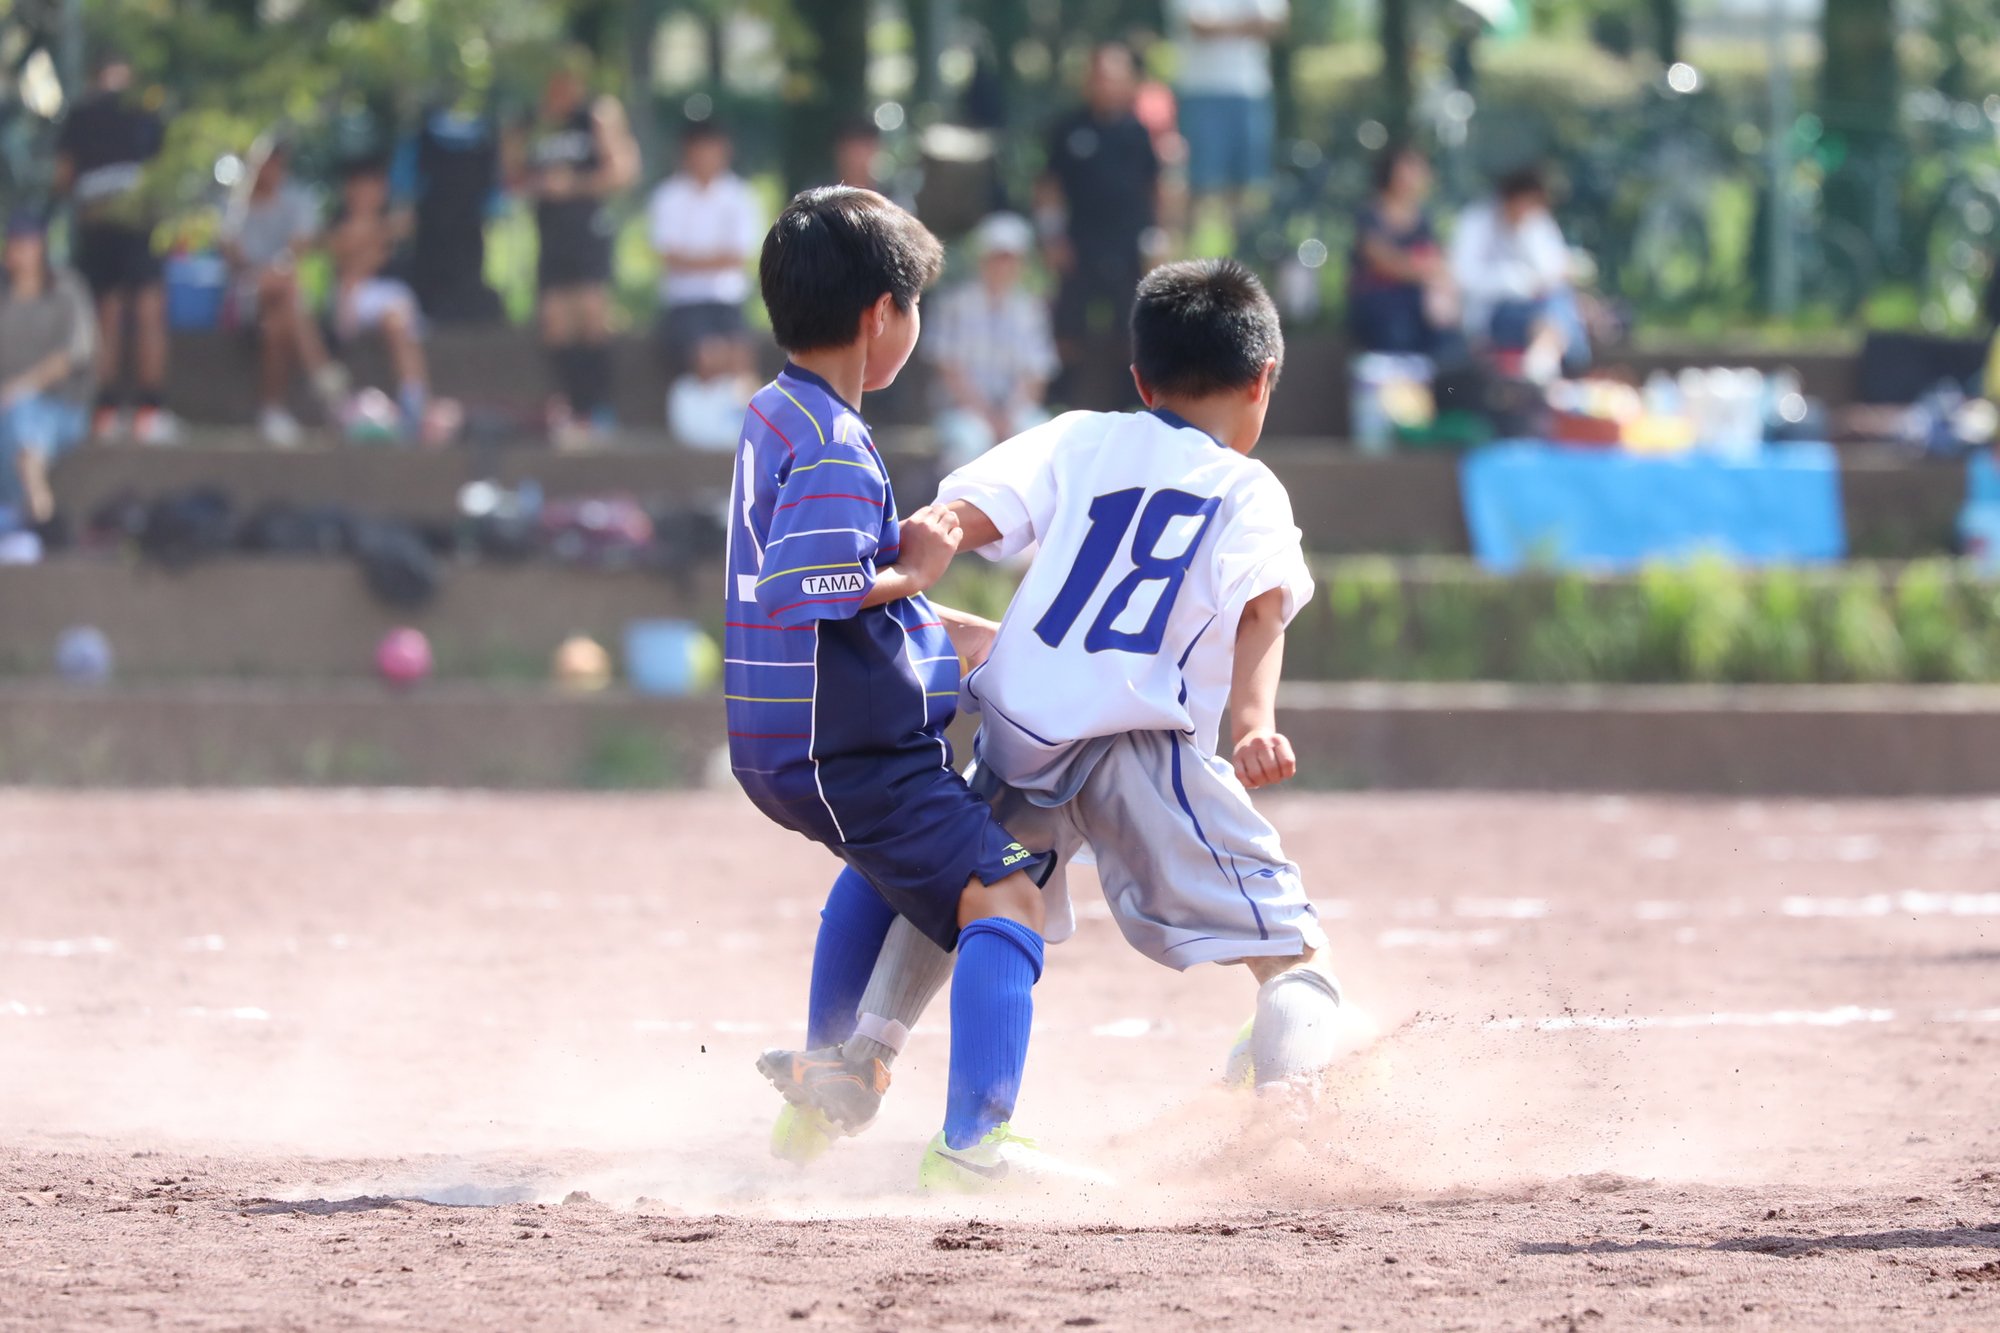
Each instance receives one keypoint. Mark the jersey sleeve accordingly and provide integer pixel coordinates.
(1261, 548)
(826, 531)
(1013, 484)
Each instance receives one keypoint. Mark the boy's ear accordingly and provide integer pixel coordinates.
(1266, 381)
(1145, 394)
(875, 319)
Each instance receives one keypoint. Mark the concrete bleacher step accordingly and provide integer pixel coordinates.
(1714, 740)
(213, 375)
(1405, 504)
(1771, 741)
(279, 617)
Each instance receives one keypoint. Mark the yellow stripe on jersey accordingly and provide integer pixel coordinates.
(807, 569)
(843, 462)
(802, 407)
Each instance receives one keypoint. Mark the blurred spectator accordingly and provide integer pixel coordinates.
(1096, 204)
(857, 149)
(705, 407)
(101, 158)
(266, 230)
(366, 301)
(48, 345)
(860, 160)
(1400, 296)
(1225, 88)
(451, 170)
(990, 342)
(1512, 268)
(576, 154)
(706, 224)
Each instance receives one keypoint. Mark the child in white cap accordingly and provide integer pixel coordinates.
(991, 345)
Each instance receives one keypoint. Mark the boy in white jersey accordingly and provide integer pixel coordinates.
(1167, 568)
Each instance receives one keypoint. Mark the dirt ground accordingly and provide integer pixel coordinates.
(308, 1061)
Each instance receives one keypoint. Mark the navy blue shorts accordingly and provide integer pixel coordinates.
(931, 835)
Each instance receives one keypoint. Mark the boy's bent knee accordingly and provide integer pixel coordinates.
(1015, 897)
(1264, 969)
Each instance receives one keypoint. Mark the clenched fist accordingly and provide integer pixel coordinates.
(929, 540)
(1264, 757)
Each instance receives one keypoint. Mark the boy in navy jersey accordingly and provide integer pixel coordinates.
(840, 680)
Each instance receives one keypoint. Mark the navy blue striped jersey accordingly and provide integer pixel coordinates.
(832, 709)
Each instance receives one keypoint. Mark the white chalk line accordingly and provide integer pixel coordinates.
(1841, 1016)
(1910, 903)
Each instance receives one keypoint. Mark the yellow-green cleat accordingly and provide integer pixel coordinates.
(801, 1135)
(1003, 1160)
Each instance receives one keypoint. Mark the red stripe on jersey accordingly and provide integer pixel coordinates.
(814, 601)
(789, 629)
(774, 430)
(806, 498)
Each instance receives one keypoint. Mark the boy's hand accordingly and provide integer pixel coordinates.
(1264, 757)
(929, 540)
(971, 636)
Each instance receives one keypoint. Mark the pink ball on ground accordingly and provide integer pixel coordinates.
(403, 657)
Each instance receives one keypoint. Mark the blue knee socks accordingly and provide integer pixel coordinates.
(852, 926)
(992, 1008)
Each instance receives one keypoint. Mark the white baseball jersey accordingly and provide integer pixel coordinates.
(1152, 538)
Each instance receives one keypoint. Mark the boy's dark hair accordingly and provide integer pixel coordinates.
(1522, 180)
(1203, 326)
(831, 254)
(696, 130)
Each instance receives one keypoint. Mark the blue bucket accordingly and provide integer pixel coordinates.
(671, 657)
(195, 285)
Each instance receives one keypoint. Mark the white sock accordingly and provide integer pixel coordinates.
(1298, 1015)
(909, 972)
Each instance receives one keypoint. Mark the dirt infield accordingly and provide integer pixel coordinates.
(301, 1061)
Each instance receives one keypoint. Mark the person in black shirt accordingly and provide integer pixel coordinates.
(576, 155)
(1400, 296)
(451, 168)
(1095, 204)
(101, 158)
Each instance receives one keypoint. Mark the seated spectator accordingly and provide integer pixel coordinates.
(991, 345)
(363, 237)
(705, 407)
(266, 230)
(48, 351)
(1400, 296)
(706, 224)
(1512, 268)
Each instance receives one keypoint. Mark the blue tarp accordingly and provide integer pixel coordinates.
(1539, 504)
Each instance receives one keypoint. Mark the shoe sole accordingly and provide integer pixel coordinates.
(779, 1073)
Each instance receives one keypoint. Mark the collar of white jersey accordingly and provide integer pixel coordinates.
(1179, 422)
